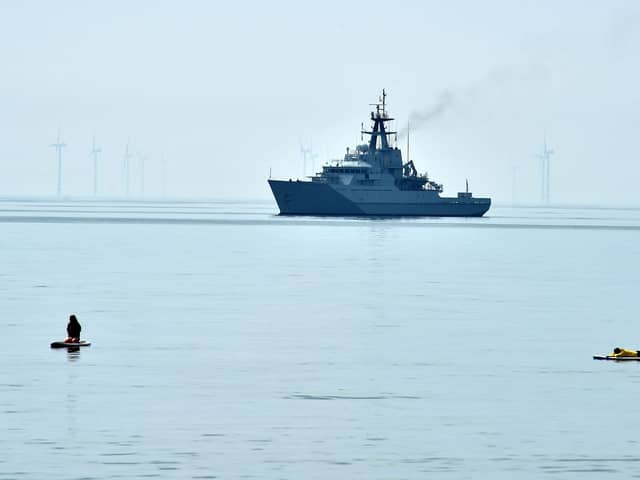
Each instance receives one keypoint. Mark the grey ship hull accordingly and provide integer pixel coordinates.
(320, 198)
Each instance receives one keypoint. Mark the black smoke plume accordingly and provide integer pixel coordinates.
(421, 118)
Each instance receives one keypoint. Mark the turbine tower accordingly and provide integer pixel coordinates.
(313, 157)
(545, 158)
(141, 159)
(305, 152)
(59, 145)
(164, 177)
(94, 154)
(126, 169)
(514, 185)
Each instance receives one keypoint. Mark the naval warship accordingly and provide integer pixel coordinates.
(373, 181)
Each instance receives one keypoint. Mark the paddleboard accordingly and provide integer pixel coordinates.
(84, 343)
(617, 359)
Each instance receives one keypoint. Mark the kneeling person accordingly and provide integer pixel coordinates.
(73, 330)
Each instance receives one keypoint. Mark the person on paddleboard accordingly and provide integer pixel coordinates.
(73, 330)
(623, 352)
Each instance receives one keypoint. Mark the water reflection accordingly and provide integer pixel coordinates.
(71, 396)
(73, 354)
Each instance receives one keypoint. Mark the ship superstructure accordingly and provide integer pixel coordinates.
(372, 180)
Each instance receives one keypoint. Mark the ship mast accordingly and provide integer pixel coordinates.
(379, 129)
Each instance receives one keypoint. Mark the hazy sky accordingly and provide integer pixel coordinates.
(225, 91)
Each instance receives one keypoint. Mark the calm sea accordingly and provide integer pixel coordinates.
(232, 343)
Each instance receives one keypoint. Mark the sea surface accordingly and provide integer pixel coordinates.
(228, 342)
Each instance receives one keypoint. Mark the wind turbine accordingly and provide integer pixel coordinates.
(164, 177)
(59, 145)
(305, 151)
(141, 159)
(313, 157)
(126, 168)
(94, 154)
(514, 175)
(307, 154)
(545, 158)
